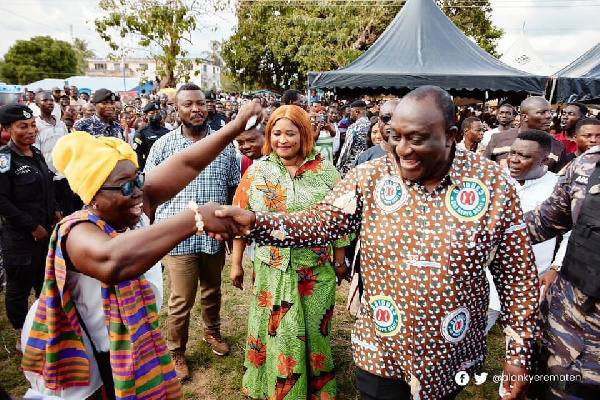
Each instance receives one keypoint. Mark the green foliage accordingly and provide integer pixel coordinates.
(38, 58)
(276, 42)
(474, 22)
(156, 24)
(82, 52)
(228, 84)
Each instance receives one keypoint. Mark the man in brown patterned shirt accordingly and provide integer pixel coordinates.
(431, 217)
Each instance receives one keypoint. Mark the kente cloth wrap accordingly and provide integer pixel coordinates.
(139, 358)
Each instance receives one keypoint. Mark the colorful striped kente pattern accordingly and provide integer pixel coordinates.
(140, 361)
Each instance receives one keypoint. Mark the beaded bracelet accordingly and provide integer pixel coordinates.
(198, 217)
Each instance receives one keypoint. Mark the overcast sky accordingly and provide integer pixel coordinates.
(559, 30)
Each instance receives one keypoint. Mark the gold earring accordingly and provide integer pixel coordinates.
(94, 206)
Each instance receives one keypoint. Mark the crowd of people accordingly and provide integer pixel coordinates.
(447, 218)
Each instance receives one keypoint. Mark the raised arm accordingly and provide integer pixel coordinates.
(515, 276)
(127, 256)
(172, 175)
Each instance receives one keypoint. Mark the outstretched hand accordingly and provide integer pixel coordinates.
(223, 227)
(247, 111)
(245, 219)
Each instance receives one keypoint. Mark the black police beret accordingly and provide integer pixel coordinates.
(101, 95)
(210, 95)
(10, 113)
(358, 104)
(151, 107)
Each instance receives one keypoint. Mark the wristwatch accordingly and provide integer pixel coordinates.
(339, 264)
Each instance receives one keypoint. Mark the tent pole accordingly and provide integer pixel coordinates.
(554, 79)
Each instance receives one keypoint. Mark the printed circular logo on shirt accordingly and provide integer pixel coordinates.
(385, 315)
(456, 324)
(468, 201)
(390, 193)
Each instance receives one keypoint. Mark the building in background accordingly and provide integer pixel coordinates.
(204, 73)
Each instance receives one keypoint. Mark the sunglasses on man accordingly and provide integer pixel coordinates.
(128, 187)
(385, 118)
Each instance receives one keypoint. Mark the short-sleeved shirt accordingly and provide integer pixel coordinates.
(46, 139)
(212, 184)
(95, 127)
(423, 257)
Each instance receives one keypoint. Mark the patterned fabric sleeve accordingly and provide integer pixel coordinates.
(515, 277)
(346, 239)
(337, 215)
(241, 198)
(553, 216)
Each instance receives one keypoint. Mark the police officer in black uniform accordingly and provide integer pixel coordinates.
(145, 137)
(215, 120)
(28, 210)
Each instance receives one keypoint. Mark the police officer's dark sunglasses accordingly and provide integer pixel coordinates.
(127, 188)
(385, 118)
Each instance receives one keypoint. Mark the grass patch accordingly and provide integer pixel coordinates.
(220, 377)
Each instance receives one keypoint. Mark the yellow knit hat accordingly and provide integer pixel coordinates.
(87, 161)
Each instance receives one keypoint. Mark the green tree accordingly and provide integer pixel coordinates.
(276, 43)
(82, 51)
(38, 58)
(474, 22)
(156, 24)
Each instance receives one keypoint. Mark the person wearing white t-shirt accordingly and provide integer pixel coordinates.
(50, 129)
(505, 115)
(534, 184)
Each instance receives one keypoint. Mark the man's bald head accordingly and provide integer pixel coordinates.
(535, 114)
(532, 103)
(442, 100)
(388, 106)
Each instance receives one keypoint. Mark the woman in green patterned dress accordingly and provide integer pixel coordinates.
(288, 351)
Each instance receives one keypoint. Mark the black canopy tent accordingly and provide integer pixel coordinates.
(580, 80)
(422, 46)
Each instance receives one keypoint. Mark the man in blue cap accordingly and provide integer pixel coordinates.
(101, 124)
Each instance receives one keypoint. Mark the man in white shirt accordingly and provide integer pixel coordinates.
(50, 130)
(505, 116)
(534, 184)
